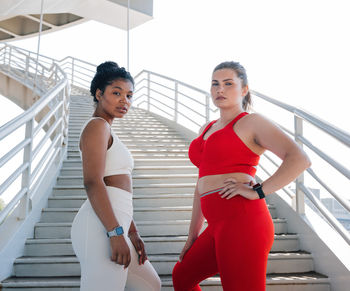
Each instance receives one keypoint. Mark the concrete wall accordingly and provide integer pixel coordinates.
(23, 96)
(329, 251)
(16, 92)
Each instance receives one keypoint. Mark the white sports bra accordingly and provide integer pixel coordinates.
(118, 158)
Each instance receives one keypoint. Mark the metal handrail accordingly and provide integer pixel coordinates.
(335, 132)
(52, 88)
(204, 104)
(144, 98)
(76, 70)
(68, 65)
(325, 212)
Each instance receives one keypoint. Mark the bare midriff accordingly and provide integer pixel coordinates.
(212, 182)
(122, 181)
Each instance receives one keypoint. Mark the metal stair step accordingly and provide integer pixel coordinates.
(152, 144)
(134, 129)
(153, 147)
(150, 170)
(145, 140)
(143, 151)
(135, 136)
(277, 263)
(83, 117)
(150, 200)
(162, 161)
(48, 247)
(55, 230)
(140, 213)
(42, 284)
(140, 162)
(155, 200)
(143, 189)
(309, 281)
(180, 227)
(142, 133)
(154, 245)
(144, 154)
(126, 124)
(69, 265)
(137, 179)
(63, 266)
(75, 128)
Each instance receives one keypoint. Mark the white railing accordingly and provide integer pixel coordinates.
(39, 151)
(173, 99)
(78, 72)
(191, 107)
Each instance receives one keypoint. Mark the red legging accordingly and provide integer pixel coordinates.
(236, 244)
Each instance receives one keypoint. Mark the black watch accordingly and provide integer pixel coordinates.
(258, 188)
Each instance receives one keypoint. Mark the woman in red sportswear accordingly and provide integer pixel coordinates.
(240, 230)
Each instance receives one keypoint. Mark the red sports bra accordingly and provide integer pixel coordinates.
(222, 152)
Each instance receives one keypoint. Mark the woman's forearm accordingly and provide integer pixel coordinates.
(132, 227)
(99, 200)
(292, 166)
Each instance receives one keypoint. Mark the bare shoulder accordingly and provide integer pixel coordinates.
(95, 126)
(255, 117)
(96, 132)
(203, 127)
(257, 121)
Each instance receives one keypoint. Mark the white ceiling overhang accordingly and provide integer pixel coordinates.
(21, 18)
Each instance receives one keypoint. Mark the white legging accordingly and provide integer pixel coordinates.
(92, 248)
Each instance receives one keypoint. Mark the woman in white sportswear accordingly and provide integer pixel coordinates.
(104, 236)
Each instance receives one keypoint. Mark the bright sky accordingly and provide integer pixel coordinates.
(295, 51)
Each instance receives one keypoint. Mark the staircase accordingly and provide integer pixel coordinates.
(164, 181)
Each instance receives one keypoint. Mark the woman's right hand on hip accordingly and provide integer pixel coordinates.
(120, 251)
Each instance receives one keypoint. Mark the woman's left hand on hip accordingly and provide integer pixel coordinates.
(232, 188)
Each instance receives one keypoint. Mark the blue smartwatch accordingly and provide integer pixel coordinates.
(115, 232)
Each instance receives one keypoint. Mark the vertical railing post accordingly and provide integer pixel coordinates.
(207, 100)
(4, 54)
(176, 102)
(9, 64)
(56, 74)
(62, 95)
(148, 91)
(26, 176)
(27, 67)
(72, 77)
(65, 115)
(299, 194)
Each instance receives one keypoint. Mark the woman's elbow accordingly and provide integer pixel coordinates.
(91, 183)
(305, 160)
(299, 158)
(309, 163)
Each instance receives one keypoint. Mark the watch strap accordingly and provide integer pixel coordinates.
(258, 188)
(115, 232)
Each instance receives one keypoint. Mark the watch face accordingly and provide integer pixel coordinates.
(115, 232)
(256, 186)
(119, 230)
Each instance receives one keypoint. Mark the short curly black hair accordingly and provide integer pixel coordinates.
(106, 73)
